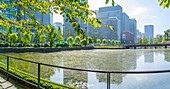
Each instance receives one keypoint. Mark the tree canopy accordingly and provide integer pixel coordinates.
(71, 9)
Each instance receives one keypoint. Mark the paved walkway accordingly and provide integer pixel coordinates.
(5, 84)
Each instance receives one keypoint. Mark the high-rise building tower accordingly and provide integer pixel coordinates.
(149, 32)
(115, 12)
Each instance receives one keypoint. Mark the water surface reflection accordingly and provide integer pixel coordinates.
(114, 60)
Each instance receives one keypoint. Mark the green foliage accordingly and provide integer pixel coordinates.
(46, 45)
(28, 45)
(77, 40)
(37, 45)
(6, 45)
(33, 79)
(150, 40)
(68, 32)
(62, 45)
(94, 39)
(12, 38)
(42, 38)
(144, 40)
(156, 40)
(52, 35)
(2, 44)
(164, 3)
(167, 35)
(108, 42)
(138, 39)
(163, 39)
(26, 38)
(98, 41)
(20, 45)
(36, 38)
(104, 41)
(113, 42)
(116, 42)
(70, 40)
(90, 40)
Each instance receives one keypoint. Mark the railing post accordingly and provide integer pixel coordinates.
(39, 71)
(7, 68)
(108, 80)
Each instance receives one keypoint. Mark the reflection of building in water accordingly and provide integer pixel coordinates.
(149, 57)
(167, 55)
(119, 62)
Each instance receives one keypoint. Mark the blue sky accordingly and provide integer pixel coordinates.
(146, 12)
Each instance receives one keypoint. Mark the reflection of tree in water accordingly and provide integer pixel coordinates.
(32, 68)
(75, 76)
(167, 55)
(114, 61)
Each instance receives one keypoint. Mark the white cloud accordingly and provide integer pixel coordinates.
(139, 11)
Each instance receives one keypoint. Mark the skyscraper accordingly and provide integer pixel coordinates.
(149, 32)
(114, 14)
(133, 27)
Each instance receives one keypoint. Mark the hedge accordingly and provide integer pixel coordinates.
(46, 85)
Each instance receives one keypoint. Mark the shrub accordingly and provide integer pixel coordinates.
(62, 45)
(6, 45)
(35, 45)
(20, 45)
(76, 45)
(2, 44)
(46, 45)
(27, 77)
(38, 45)
(28, 45)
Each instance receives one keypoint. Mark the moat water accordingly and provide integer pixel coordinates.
(111, 60)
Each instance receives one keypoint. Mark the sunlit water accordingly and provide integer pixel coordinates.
(114, 60)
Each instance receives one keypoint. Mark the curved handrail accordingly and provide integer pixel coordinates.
(97, 71)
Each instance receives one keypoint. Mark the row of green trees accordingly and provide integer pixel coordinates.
(145, 41)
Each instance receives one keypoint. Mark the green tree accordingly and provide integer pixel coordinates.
(26, 38)
(104, 41)
(42, 38)
(77, 40)
(156, 40)
(144, 40)
(138, 39)
(68, 32)
(167, 35)
(98, 41)
(116, 42)
(108, 42)
(98, 36)
(163, 39)
(94, 39)
(70, 40)
(52, 35)
(12, 38)
(113, 42)
(36, 38)
(90, 40)
(59, 35)
(150, 40)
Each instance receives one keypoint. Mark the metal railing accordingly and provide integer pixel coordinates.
(77, 69)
